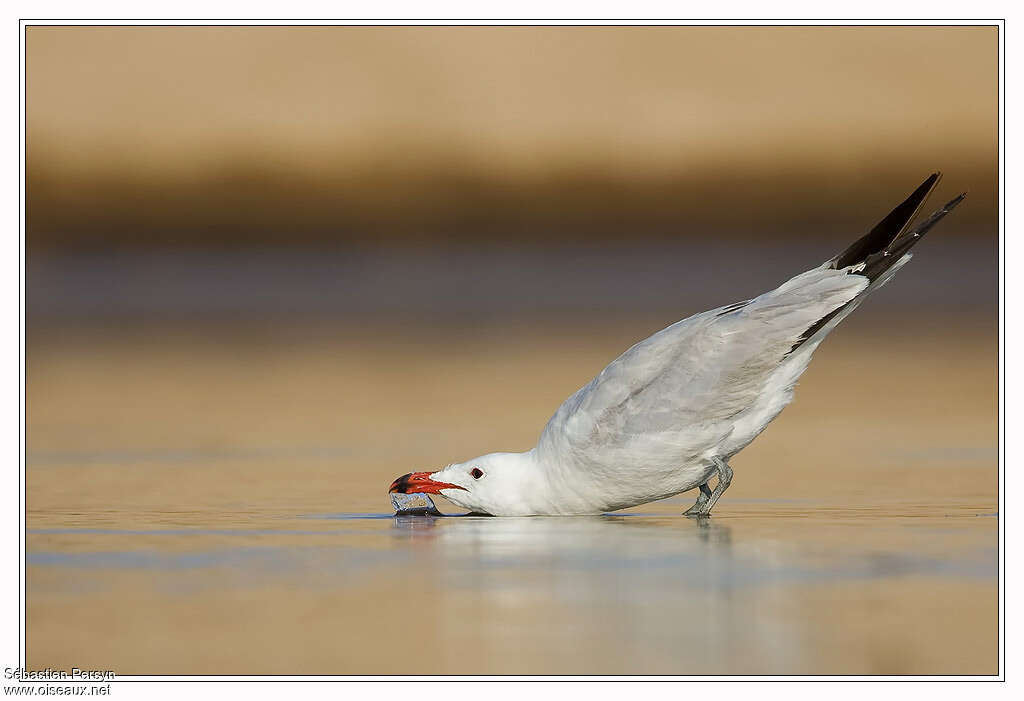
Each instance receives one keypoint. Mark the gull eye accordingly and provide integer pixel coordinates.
(477, 473)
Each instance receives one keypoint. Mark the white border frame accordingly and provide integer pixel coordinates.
(212, 680)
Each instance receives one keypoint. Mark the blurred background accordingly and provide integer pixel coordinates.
(229, 137)
(160, 157)
(269, 269)
(320, 170)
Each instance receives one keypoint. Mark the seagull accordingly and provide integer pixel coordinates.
(667, 415)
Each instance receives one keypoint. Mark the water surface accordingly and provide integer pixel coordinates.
(211, 501)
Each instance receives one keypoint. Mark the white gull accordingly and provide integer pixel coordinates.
(667, 415)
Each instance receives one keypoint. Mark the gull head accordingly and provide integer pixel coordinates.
(496, 484)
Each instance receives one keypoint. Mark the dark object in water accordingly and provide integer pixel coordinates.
(413, 505)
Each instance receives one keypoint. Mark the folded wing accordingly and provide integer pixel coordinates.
(679, 393)
(707, 385)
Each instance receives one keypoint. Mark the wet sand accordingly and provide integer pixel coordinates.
(213, 500)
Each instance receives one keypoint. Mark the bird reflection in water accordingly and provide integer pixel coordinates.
(633, 538)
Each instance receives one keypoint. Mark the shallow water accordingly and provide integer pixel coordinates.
(211, 502)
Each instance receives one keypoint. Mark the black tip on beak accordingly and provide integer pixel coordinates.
(400, 485)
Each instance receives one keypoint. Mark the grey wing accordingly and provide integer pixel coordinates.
(681, 393)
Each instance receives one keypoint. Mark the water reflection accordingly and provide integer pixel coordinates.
(623, 593)
(672, 593)
(612, 548)
(700, 553)
(662, 587)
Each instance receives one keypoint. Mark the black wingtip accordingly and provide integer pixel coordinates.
(890, 228)
(878, 263)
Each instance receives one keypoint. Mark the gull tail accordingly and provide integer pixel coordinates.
(876, 264)
(882, 251)
(887, 230)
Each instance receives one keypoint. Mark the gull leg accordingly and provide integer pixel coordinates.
(705, 494)
(724, 480)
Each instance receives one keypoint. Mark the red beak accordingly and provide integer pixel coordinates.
(419, 483)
